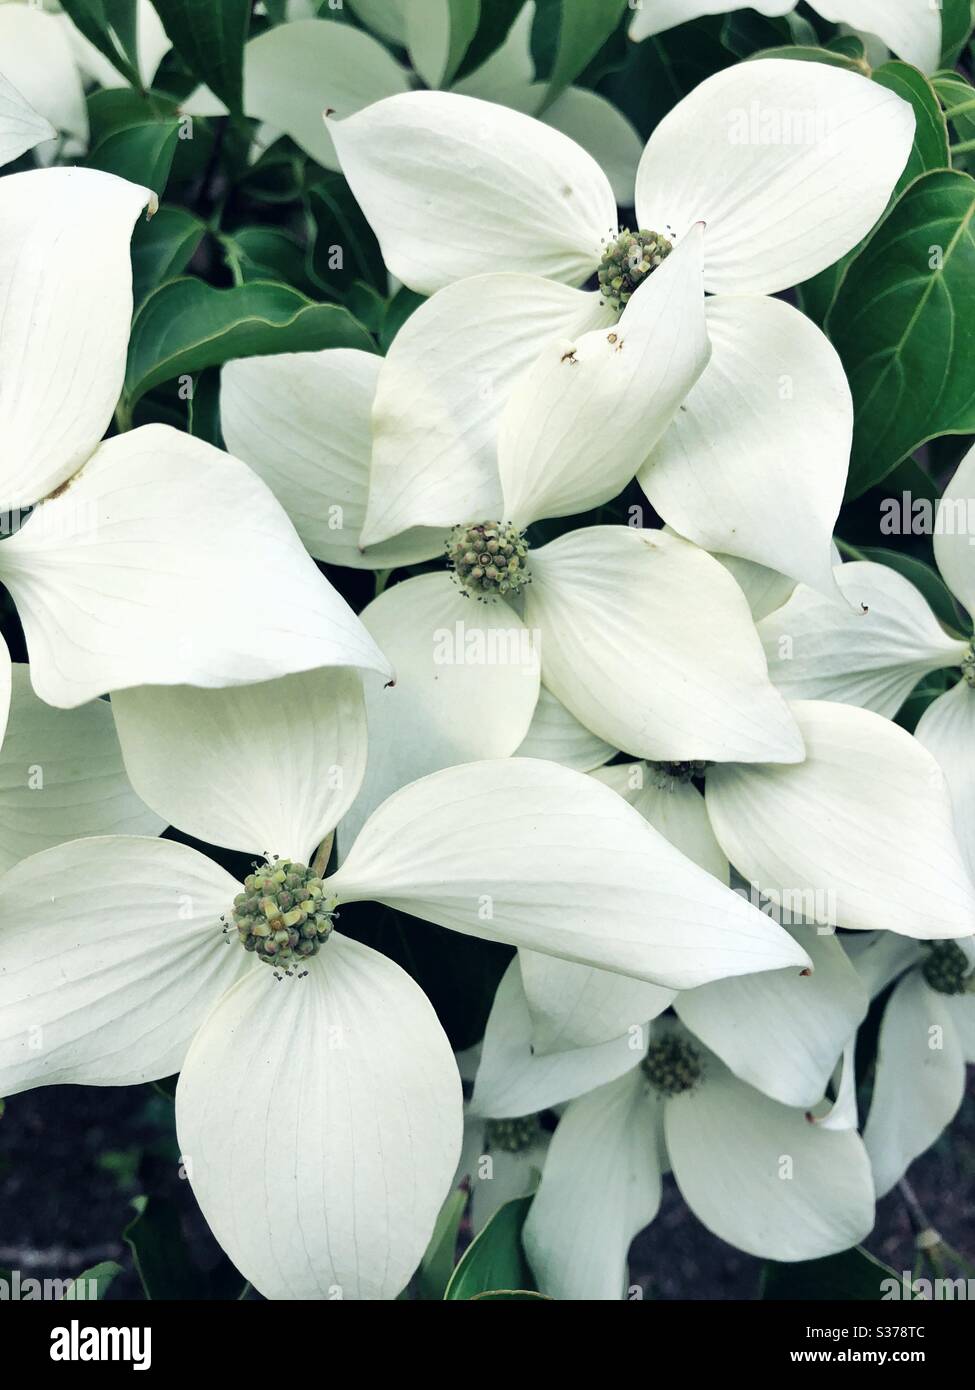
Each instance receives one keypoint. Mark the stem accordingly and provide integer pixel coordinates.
(963, 147)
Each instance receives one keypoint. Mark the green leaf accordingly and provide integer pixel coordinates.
(268, 253)
(111, 25)
(853, 1276)
(203, 419)
(929, 151)
(162, 247)
(100, 1275)
(494, 1259)
(930, 689)
(209, 35)
(464, 16)
(187, 325)
(584, 27)
(958, 99)
(159, 1250)
(511, 1296)
(438, 1262)
(904, 325)
(115, 108)
(403, 303)
(660, 71)
(956, 29)
(344, 248)
(493, 28)
(142, 154)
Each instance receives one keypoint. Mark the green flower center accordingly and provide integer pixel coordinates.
(626, 263)
(665, 773)
(283, 915)
(513, 1136)
(672, 1065)
(968, 665)
(488, 559)
(946, 968)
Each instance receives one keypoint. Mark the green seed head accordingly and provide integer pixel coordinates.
(672, 1065)
(968, 664)
(663, 774)
(946, 968)
(512, 1136)
(626, 263)
(283, 915)
(488, 559)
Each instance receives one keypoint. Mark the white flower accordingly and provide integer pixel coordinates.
(503, 215)
(750, 1161)
(320, 1117)
(912, 28)
(152, 557)
(873, 652)
(926, 1036)
(21, 127)
(645, 638)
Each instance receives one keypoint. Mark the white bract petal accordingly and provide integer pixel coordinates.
(947, 730)
(61, 777)
(466, 686)
(919, 1082)
(66, 287)
(514, 1080)
(21, 127)
(674, 808)
(453, 186)
(869, 651)
(302, 421)
(578, 1006)
(912, 28)
(537, 855)
(810, 1018)
(510, 1176)
(656, 16)
(755, 462)
(600, 1187)
(167, 562)
(37, 59)
(111, 955)
(578, 424)
(764, 589)
(789, 165)
(954, 531)
(322, 1122)
(267, 768)
(764, 1178)
(648, 641)
(441, 390)
(859, 835)
(557, 735)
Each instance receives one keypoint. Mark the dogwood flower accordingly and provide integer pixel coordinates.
(21, 127)
(319, 1106)
(927, 1034)
(912, 28)
(294, 71)
(152, 557)
(860, 835)
(758, 1170)
(643, 637)
(873, 651)
(503, 216)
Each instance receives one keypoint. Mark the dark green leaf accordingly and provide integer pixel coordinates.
(159, 1250)
(463, 17)
(210, 35)
(584, 27)
(660, 71)
(115, 108)
(344, 248)
(269, 253)
(111, 25)
(956, 29)
(746, 31)
(494, 1259)
(94, 1282)
(853, 1276)
(141, 153)
(904, 325)
(438, 1262)
(162, 248)
(203, 419)
(403, 303)
(187, 325)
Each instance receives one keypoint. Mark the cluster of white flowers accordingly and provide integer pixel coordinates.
(659, 762)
